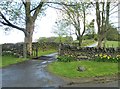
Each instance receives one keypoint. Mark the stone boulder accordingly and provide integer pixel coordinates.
(81, 68)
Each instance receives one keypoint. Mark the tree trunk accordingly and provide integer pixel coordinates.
(80, 41)
(28, 42)
(105, 22)
(98, 19)
(28, 38)
(100, 39)
(24, 49)
(99, 42)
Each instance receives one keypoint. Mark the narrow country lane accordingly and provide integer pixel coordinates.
(30, 74)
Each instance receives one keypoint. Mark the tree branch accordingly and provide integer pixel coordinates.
(84, 21)
(114, 12)
(115, 6)
(61, 3)
(37, 10)
(23, 3)
(71, 18)
(10, 24)
(34, 8)
(55, 7)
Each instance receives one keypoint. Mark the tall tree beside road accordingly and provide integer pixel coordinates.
(25, 12)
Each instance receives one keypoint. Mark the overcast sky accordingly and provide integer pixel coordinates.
(43, 29)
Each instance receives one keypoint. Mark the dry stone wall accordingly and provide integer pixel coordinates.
(87, 53)
(17, 49)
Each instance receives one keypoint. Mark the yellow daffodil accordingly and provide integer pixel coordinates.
(108, 57)
(96, 55)
(118, 56)
(104, 56)
(100, 55)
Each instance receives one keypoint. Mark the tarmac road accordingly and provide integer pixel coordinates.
(29, 74)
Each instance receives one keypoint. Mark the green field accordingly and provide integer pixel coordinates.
(41, 53)
(107, 44)
(93, 69)
(112, 44)
(86, 42)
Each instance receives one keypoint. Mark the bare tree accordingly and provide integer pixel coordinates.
(75, 14)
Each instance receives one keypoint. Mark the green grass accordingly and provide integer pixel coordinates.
(93, 69)
(41, 53)
(8, 60)
(112, 43)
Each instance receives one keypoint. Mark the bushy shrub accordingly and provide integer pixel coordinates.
(65, 58)
(107, 58)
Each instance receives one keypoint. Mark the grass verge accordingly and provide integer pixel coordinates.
(93, 69)
(8, 60)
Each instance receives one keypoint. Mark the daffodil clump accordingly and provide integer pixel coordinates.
(107, 58)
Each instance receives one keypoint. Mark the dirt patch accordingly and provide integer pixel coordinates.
(93, 80)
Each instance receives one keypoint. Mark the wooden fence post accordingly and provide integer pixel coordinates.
(36, 49)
